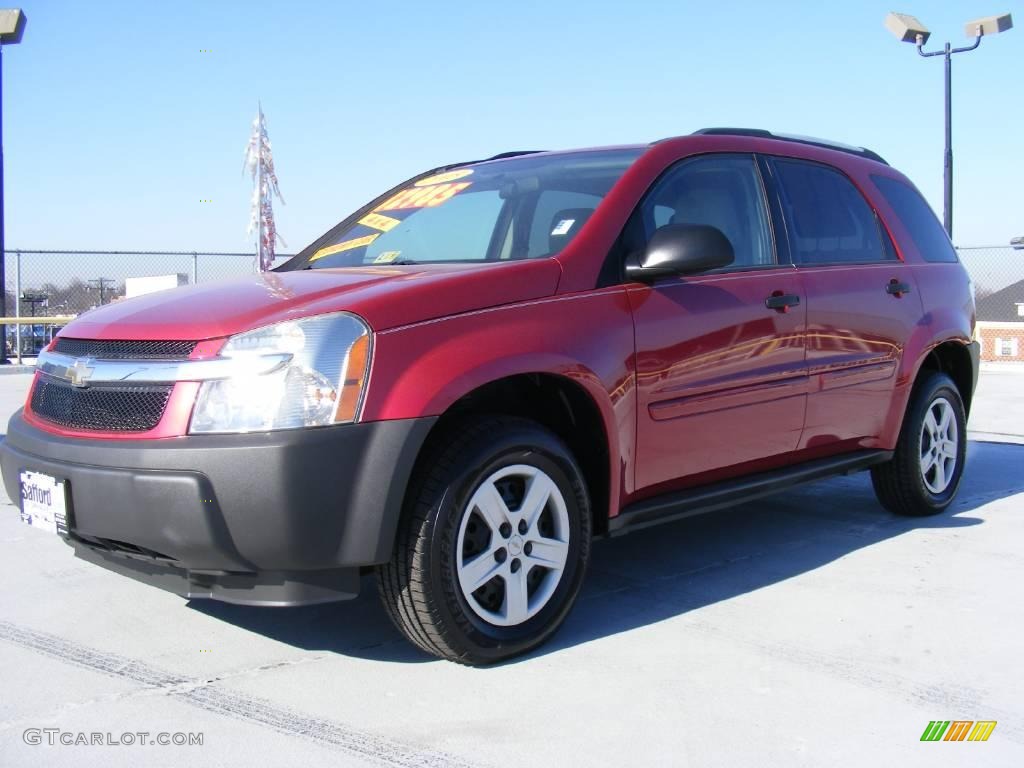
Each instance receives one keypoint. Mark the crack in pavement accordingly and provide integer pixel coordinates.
(205, 695)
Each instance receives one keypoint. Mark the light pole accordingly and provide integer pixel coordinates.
(909, 30)
(32, 299)
(12, 25)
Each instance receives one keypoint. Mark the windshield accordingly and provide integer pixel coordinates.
(525, 207)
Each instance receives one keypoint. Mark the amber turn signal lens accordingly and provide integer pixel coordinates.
(355, 376)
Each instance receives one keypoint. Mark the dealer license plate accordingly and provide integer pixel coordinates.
(43, 502)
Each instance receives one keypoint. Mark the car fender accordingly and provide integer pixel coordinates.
(423, 369)
(926, 337)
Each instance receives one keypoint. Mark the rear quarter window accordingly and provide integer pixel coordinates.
(917, 218)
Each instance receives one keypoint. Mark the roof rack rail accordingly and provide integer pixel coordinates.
(499, 156)
(516, 153)
(761, 133)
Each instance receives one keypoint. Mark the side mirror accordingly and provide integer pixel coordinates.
(681, 249)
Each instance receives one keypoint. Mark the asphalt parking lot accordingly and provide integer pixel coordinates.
(808, 629)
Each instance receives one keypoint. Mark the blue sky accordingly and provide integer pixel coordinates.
(116, 125)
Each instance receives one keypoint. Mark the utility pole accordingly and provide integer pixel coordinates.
(12, 25)
(101, 284)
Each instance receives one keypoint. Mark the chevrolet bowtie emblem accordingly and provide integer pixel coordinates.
(80, 372)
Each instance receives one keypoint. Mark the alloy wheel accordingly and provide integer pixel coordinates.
(513, 543)
(939, 445)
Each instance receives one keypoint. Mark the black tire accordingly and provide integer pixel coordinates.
(900, 484)
(419, 586)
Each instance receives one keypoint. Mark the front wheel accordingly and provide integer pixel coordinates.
(924, 473)
(493, 544)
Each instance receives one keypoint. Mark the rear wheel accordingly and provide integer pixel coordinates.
(493, 544)
(924, 474)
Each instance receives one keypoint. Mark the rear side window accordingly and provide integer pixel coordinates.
(917, 218)
(827, 218)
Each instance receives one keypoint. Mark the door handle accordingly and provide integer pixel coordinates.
(781, 302)
(896, 288)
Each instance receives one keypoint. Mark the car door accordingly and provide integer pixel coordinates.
(862, 305)
(721, 376)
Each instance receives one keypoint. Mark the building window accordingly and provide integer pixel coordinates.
(1020, 309)
(1006, 347)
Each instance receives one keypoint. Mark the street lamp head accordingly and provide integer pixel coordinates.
(907, 29)
(988, 25)
(12, 24)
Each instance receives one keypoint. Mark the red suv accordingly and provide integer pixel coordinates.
(462, 384)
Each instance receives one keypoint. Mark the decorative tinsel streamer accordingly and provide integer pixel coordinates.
(259, 161)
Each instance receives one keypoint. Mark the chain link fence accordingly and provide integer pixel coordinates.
(998, 275)
(62, 284)
(59, 284)
(994, 270)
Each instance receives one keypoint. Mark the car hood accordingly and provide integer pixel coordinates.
(385, 296)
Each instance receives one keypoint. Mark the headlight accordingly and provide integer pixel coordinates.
(320, 380)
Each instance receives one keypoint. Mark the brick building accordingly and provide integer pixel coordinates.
(1001, 323)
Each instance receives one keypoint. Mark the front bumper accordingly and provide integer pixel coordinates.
(278, 518)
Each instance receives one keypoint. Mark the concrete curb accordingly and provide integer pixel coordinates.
(1002, 366)
(6, 370)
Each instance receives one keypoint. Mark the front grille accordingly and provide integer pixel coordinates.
(100, 408)
(124, 350)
